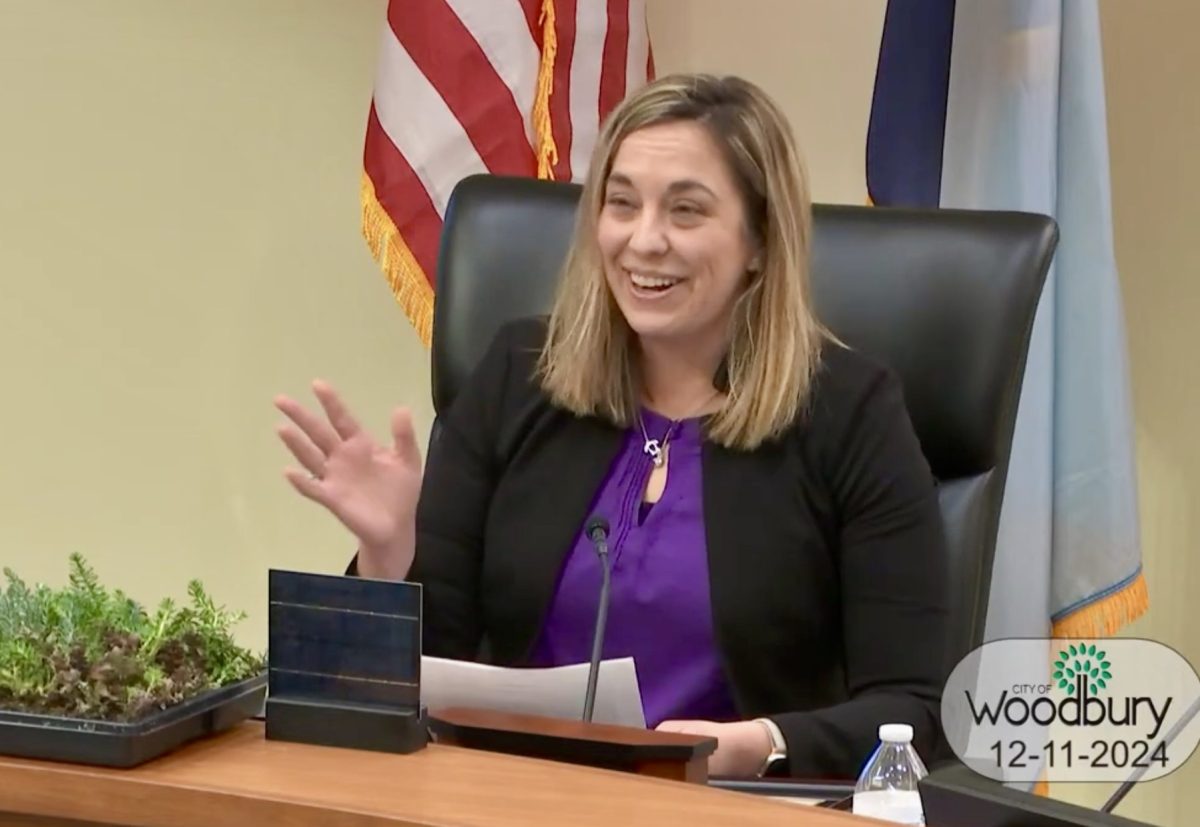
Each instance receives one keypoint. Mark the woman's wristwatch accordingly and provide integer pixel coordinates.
(778, 746)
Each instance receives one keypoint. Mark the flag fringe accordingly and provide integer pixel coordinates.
(410, 285)
(546, 150)
(405, 276)
(1105, 616)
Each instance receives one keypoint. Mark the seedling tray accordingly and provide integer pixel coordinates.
(108, 744)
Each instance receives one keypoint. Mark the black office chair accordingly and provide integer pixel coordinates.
(946, 298)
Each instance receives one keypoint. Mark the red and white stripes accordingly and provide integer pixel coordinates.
(456, 93)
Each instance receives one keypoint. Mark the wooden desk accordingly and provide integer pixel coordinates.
(240, 779)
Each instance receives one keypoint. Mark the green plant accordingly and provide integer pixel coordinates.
(82, 651)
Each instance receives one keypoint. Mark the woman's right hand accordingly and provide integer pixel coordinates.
(372, 488)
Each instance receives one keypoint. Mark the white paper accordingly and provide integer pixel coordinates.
(556, 692)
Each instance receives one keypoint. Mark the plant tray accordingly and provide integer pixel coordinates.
(108, 744)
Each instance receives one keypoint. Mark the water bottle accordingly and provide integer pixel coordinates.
(887, 787)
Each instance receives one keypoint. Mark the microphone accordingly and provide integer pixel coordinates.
(597, 532)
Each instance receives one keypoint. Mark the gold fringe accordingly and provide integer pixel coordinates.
(409, 285)
(406, 278)
(1106, 616)
(546, 150)
(1042, 787)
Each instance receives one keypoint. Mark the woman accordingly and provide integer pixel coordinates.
(779, 573)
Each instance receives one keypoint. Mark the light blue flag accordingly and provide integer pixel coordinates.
(1024, 129)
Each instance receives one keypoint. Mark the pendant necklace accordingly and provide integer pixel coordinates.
(656, 449)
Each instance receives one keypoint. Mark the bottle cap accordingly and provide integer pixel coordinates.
(902, 733)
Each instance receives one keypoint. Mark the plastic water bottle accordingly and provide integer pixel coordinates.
(887, 787)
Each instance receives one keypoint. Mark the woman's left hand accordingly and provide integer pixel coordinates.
(742, 746)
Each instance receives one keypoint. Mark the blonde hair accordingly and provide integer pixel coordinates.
(587, 364)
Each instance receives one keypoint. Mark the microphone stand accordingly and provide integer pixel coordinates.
(598, 533)
(1172, 733)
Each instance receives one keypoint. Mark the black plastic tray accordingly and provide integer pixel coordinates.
(107, 744)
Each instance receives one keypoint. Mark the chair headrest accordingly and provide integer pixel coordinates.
(946, 299)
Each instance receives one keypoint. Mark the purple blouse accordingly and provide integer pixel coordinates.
(660, 613)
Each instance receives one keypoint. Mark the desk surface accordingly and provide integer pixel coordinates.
(240, 778)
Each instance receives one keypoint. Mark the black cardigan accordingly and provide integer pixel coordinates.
(826, 557)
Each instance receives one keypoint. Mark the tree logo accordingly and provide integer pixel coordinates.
(1082, 665)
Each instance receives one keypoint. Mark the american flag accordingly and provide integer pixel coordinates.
(510, 87)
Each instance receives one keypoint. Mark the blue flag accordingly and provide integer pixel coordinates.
(1000, 105)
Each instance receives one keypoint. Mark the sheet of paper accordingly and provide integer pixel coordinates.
(557, 691)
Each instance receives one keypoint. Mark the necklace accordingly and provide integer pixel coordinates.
(652, 447)
(656, 449)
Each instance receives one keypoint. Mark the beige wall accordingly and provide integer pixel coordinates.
(816, 57)
(179, 241)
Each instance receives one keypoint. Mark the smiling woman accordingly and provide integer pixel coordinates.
(778, 567)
